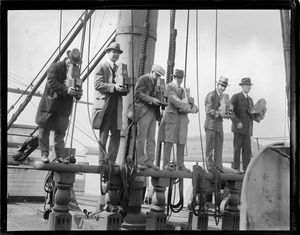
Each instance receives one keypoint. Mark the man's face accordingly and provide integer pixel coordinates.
(113, 55)
(221, 88)
(178, 80)
(246, 88)
(155, 76)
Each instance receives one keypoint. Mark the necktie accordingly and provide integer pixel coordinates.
(114, 72)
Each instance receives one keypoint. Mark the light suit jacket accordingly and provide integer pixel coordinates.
(174, 124)
(104, 87)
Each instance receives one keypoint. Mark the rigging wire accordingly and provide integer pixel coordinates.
(31, 84)
(60, 31)
(198, 96)
(186, 44)
(74, 99)
(216, 48)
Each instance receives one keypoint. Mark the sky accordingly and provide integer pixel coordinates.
(231, 43)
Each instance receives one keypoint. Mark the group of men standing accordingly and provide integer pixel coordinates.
(56, 105)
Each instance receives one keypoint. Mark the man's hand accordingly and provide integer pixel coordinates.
(72, 92)
(156, 101)
(118, 87)
(239, 125)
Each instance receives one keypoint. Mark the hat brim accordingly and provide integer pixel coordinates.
(246, 84)
(112, 48)
(222, 83)
(73, 61)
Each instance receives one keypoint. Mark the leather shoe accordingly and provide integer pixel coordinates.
(168, 168)
(184, 169)
(153, 167)
(142, 167)
(237, 171)
(221, 169)
(45, 159)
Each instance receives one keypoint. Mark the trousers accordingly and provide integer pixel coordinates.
(241, 142)
(59, 144)
(145, 141)
(179, 153)
(214, 146)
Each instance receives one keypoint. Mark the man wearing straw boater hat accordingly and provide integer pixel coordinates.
(174, 124)
(242, 125)
(214, 126)
(108, 104)
(55, 106)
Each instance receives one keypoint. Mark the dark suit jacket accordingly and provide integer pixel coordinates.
(145, 94)
(212, 103)
(241, 107)
(104, 87)
(55, 106)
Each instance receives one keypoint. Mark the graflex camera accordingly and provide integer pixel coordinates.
(226, 108)
(73, 77)
(160, 92)
(122, 78)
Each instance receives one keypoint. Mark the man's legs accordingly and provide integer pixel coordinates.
(44, 144)
(103, 139)
(114, 143)
(210, 142)
(218, 150)
(59, 144)
(180, 158)
(237, 145)
(246, 151)
(167, 153)
(142, 131)
(150, 141)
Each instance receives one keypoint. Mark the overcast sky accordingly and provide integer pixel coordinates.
(249, 44)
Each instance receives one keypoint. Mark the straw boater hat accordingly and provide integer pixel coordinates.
(223, 81)
(178, 73)
(158, 69)
(246, 81)
(114, 46)
(74, 56)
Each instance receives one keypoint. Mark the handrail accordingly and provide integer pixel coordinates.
(93, 169)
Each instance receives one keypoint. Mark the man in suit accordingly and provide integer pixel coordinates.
(214, 126)
(242, 125)
(149, 113)
(55, 106)
(174, 125)
(108, 100)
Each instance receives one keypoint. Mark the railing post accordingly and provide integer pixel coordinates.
(156, 218)
(135, 220)
(60, 218)
(231, 218)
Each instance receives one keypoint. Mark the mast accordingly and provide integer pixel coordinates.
(129, 34)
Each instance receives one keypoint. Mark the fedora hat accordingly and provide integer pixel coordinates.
(246, 81)
(114, 46)
(178, 73)
(158, 69)
(223, 81)
(74, 56)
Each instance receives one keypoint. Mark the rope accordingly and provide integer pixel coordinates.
(144, 45)
(172, 47)
(198, 96)
(186, 45)
(128, 174)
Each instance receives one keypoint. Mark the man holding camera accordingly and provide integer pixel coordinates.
(55, 106)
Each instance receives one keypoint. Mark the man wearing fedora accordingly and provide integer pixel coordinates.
(108, 100)
(55, 106)
(214, 126)
(242, 125)
(149, 113)
(174, 124)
